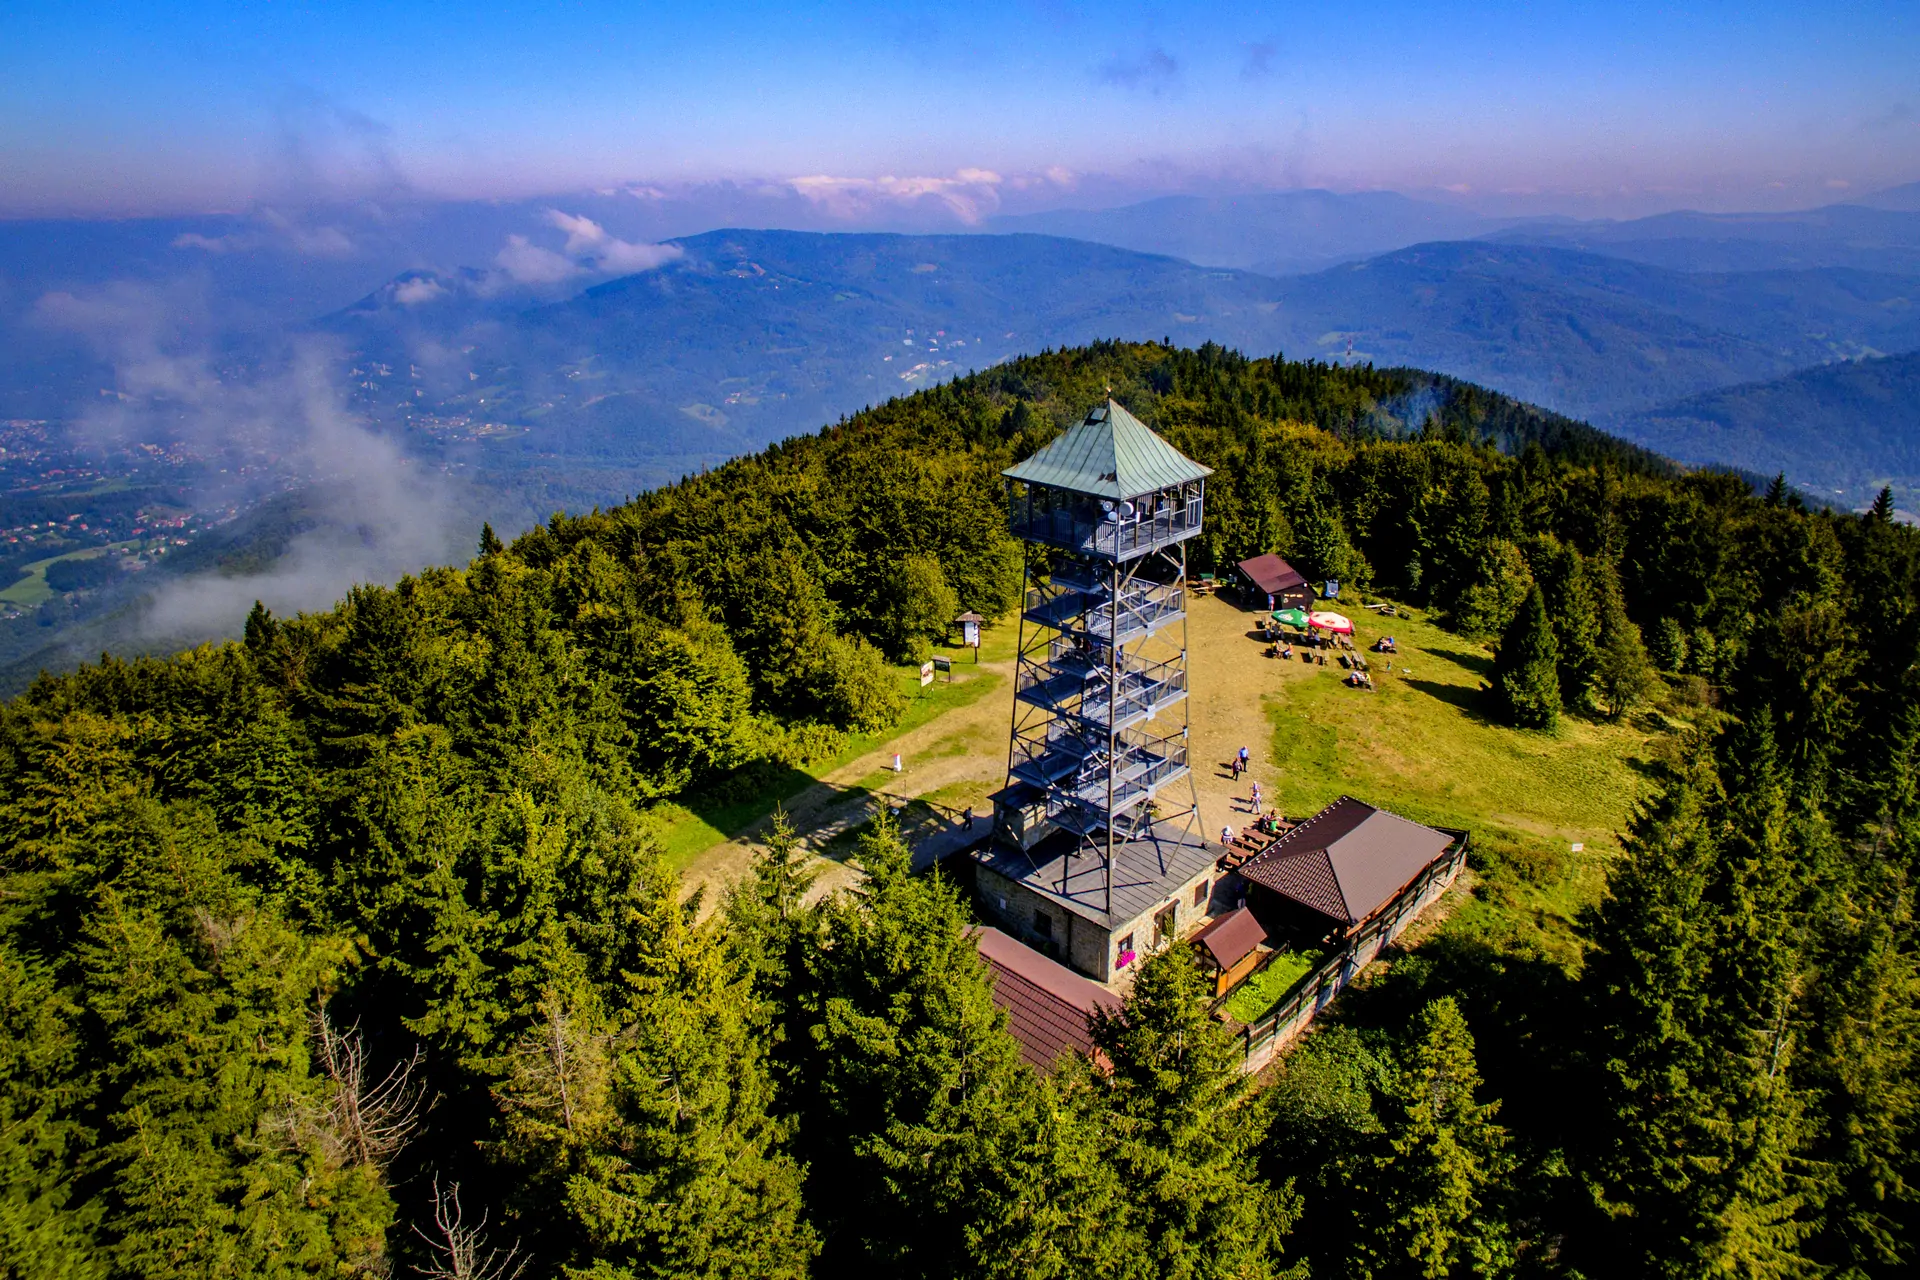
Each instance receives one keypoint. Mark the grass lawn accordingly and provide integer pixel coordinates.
(1252, 998)
(32, 589)
(1425, 746)
(693, 824)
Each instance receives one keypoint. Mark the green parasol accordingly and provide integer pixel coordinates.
(1291, 617)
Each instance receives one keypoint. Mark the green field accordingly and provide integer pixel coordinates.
(32, 588)
(695, 823)
(1426, 746)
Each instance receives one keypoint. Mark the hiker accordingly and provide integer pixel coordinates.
(1242, 762)
(1226, 835)
(968, 815)
(1256, 798)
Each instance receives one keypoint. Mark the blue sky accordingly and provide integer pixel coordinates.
(137, 107)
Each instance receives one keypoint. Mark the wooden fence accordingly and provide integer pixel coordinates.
(1314, 992)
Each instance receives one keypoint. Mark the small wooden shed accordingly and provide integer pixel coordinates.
(1231, 948)
(1269, 575)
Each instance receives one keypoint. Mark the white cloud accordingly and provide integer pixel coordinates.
(971, 194)
(411, 293)
(527, 263)
(274, 230)
(590, 245)
(627, 259)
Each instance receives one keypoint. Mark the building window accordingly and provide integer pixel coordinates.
(1042, 923)
(1125, 957)
(1200, 892)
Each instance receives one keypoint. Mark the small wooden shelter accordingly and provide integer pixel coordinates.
(1269, 575)
(1231, 948)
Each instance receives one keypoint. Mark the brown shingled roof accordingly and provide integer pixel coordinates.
(1348, 860)
(1231, 938)
(1271, 574)
(1048, 1005)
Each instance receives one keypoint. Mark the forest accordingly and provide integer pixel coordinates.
(347, 949)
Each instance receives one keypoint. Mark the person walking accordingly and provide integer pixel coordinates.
(1256, 799)
(1241, 764)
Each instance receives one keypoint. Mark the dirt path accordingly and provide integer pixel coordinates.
(960, 757)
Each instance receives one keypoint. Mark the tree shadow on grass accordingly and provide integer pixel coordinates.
(1475, 702)
(1478, 663)
(735, 802)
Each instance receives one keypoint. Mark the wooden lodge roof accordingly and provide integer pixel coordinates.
(1112, 455)
(1271, 574)
(1049, 1006)
(1348, 860)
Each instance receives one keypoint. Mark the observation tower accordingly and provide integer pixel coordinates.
(1097, 852)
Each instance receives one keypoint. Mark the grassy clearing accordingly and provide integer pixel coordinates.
(1426, 746)
(1252, 999)
(32, 588)
(695, 823)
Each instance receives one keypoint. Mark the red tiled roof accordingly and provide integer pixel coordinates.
(1231, 938)
(1048, 1005)
(1348, 860)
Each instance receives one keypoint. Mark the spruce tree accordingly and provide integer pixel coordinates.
(1441, 1157)
(1526, 684)
(1572, 586)
(919, 1122)
(1691, 995)
(1184, 1125)
(1623, 674)
(686, 1172)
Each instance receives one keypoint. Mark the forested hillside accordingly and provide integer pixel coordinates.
(346, 950)
(1834, 427)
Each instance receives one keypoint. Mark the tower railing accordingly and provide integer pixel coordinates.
(1105, 529)
(1073, 685)
(1141, 609)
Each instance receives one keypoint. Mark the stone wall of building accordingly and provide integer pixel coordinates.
(1092, 949)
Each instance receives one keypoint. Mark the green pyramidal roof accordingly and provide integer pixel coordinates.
(1111, 455)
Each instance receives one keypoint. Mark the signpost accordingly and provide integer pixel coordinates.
(1333, 589)
(926, 673)
(970, 631)
(946, 665)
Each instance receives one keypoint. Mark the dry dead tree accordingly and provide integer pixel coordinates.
(460, 1252)
(370, 1120)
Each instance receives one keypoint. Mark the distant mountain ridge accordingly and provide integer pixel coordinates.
(1880, 239)
(752, 335)
(1587, 334)
(1842, 430)
(1275, 233)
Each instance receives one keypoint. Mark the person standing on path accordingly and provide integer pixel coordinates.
(1241, 763)
(1256, 799)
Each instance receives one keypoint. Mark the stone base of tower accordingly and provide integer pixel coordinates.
(1053, 896)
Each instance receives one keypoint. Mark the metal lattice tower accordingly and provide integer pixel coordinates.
(1100, 717)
